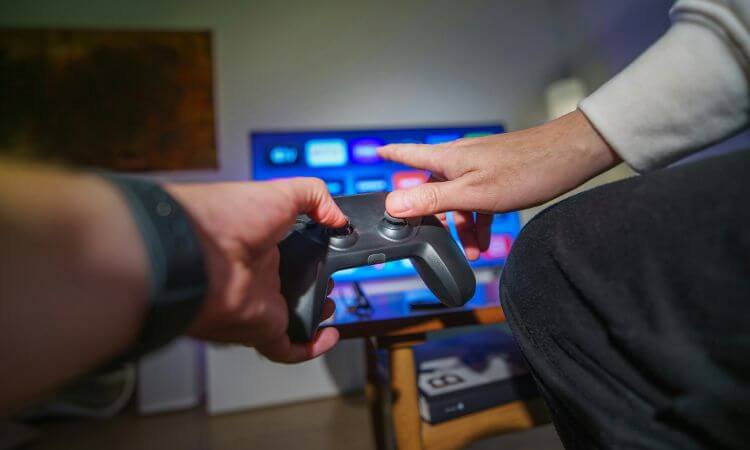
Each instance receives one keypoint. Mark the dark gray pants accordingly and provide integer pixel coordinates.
(631, 303)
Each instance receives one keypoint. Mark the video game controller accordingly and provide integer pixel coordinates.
(311, 253)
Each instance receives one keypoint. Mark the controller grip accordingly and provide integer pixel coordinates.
(444, 269)
(302, 276)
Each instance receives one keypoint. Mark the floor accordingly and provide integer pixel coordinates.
(337, 423)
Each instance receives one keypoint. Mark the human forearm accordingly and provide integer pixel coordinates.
(74, 278)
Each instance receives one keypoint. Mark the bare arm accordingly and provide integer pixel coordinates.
(73, 277)
(74, 272)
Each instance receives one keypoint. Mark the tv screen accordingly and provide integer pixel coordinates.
(347, 161)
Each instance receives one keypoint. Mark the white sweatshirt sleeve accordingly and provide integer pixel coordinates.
(689, 90)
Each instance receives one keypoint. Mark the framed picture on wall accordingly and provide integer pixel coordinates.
(121, 100)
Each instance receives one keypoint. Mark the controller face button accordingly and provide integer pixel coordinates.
(377, 258)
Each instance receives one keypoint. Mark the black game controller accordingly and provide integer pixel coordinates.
(311, 253)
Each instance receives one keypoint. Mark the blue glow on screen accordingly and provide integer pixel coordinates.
(346, 160)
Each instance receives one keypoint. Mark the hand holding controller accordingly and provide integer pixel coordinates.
(311, 253)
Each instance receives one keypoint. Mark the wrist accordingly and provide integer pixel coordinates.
(580, 146)
(594, 152)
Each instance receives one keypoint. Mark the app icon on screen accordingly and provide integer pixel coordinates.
(326, 153)
(499, 246)
(370, 185)
(406, 179)
(335, 187)
(364, 151)
(441, 138)
(283, 155)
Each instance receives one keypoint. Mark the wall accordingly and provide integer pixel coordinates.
(604, 37)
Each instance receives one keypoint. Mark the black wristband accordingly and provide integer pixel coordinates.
(178, 274)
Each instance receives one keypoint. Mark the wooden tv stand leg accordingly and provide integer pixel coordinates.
(375, 395)
(407, 422)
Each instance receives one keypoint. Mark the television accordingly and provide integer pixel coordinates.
(347, 161)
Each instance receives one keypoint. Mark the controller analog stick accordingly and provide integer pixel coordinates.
(394, 228)
(395, 221)
(342, 237)
(346, 230)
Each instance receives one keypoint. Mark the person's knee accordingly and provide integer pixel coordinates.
(560, 241)
(559, 269)
(539, 288)
(530, 261)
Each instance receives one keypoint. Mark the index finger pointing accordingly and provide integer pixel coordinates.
(421, 156)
